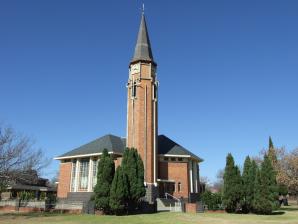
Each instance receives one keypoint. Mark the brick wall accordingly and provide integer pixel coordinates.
(118, 162)
(191, 207)
(64, 180)
(177, 171)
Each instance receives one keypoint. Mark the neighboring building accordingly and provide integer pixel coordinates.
(31, 184)
(169, 167)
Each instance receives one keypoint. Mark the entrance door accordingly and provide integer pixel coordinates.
(166, 187)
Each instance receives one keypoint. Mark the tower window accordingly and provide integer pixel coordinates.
(134, 89)
(154, 92)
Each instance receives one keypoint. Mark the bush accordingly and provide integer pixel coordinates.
(212, 200)
(26, 195)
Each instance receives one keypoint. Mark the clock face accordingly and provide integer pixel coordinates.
(135, 68)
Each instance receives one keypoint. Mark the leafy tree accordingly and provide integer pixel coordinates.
(134, 169)
(265, 198)
(105, 175)
(20, 161)
(119, 192)
(232, 189)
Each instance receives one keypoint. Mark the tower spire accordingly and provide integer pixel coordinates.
(143, 46)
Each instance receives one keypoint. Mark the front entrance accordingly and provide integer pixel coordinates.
(166, 187)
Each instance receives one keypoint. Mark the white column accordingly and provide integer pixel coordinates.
(190, 175)
(71, 176)
(76, 185)
(90, 175)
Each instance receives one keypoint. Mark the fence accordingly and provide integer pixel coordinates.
(19, 205)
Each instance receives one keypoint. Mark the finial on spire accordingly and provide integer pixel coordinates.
(143, 8)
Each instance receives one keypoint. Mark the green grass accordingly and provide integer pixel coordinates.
(287, 215)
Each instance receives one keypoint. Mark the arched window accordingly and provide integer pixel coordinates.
(179, 187)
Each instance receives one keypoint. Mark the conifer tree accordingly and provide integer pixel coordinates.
(265, 198)
(245, 203)
(134, 169)
(272, 153)
(119, 192)
(271, 146)
(251, 184)
(232, 185)
(140, 172)
(105, 175)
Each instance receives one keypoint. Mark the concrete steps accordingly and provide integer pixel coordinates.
(165, 204)
(79, 196)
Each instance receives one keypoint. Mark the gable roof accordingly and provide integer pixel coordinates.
(166, 146)
(115, 144)
(112, 143)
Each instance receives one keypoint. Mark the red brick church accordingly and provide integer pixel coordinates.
(169, 167)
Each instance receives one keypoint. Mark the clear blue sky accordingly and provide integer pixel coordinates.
(228, 72)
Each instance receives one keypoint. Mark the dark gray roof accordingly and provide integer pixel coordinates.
(116, 144)
(110, 142)
(30, 187)
(143, 46)
(169, 147)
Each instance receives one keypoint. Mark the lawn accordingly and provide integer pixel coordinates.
(287, 215)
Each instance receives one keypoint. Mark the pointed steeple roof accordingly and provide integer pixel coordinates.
(143, 46)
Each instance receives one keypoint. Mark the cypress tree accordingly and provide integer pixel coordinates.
(105, 175)
(141, 191)
(251, 184)
(265, 198)
(271, 146)
(134, 169)
(232, 185)
(245, 203)
(272, 153)
(119, 192)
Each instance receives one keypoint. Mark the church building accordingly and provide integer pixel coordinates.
(170, 169)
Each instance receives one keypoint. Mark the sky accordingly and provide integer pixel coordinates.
(228, 73)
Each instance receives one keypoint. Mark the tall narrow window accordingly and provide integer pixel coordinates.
(154, 92)
(179, 187)
(134, 89)
(73, 175)
(84, 170)
(94, 174)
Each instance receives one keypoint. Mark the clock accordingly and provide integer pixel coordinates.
(135, 68)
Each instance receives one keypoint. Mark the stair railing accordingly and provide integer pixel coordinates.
(172, 196)
(177, 207)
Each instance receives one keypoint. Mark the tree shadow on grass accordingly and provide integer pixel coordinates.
(289, 208)
(278, 213)
(29, 215)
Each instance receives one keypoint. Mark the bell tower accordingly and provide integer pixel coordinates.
(142, 109)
